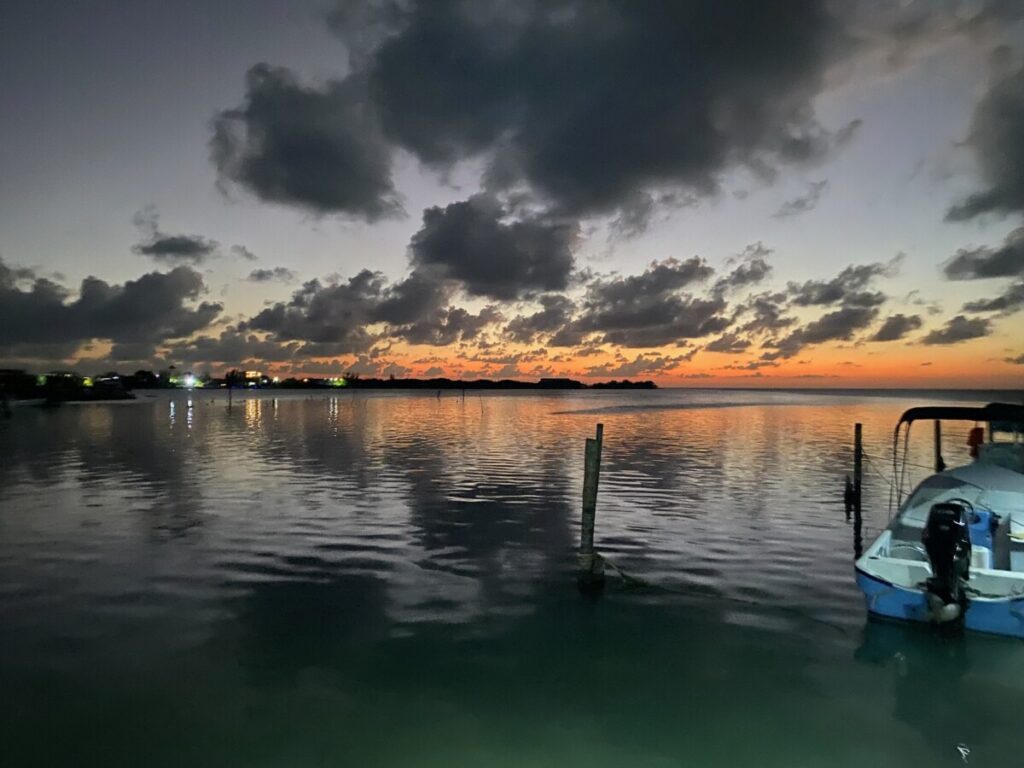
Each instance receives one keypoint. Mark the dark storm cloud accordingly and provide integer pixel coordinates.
(839, 325)
(804, 203)
(318, 148)
(766, 313)
(591, 106)
(847, 288)
(1007, 303)
(896, 327)
(472, 242)
(997, 138)
(959, 329)
(283, 274)
(152, 308)
(660, 277)
(975, 263)
(727, 342)
(170, 249)
(346, 317)
(650, 309)
(418, 295)
(447, 326)
(554, 314)
(231, 347)
(334, 315)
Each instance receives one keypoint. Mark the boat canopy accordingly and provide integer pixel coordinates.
(992, 413)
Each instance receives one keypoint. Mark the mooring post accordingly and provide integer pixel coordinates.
(591, 567)
(940, 465)
(848, 498)
(858, 472)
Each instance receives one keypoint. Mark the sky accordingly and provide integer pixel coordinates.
(791, 193)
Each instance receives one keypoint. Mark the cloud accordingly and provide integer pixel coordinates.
(317, 148)
(959, 329)
(592, 104)
(847, 288)
(896, 34)
(417, 296)
(332, 316)
(727, 342)
(283, 274)
(449, 325)
(896, 327)
(996, 130)
(650, 309)
(170, 249)
(641, 365)
(231, 348)
(473, 242)
(351, 316)
(591, 107)
(555, 313)
(766, 312)
(753, 365)
(839, 325)
(977, 263)
(804, 203)
(753, 268)
(243, 253)
(1007, 303)
(43, 319)
(1018, 360)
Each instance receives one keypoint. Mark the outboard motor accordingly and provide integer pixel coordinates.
(947, 541)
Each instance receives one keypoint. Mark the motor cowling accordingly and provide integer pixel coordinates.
(947, 541)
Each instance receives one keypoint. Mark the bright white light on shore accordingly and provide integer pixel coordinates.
(190, 380)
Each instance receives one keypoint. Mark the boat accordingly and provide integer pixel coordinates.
(953, 554)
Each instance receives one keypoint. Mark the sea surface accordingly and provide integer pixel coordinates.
(388, 579)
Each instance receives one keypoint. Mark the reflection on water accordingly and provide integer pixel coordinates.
(386, 579)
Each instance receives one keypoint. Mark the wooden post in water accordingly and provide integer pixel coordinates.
(940, 465)
(591, 566)
(858, 473)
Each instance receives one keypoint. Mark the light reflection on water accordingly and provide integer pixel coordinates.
(386, 578)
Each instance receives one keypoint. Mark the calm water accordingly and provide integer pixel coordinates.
(386, 579)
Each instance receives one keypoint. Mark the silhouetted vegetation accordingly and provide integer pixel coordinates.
(58, 386)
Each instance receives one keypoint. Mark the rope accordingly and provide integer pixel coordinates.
(873, 467)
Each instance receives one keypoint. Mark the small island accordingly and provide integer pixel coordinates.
(55, 387)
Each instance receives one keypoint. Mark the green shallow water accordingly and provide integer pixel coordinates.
(387, 579)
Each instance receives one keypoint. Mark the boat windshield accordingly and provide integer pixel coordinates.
(933, 490)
